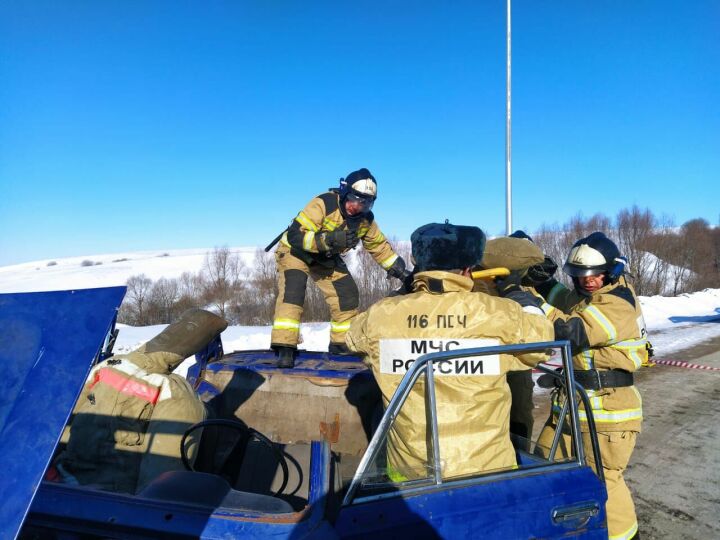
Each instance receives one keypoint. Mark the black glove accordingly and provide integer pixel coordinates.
(549, 381)
(542, 272)
(338, 240)
(509, 287)
(397, 270)
(406, 287)
(508, 284)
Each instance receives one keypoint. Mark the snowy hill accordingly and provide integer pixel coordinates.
(106, 270)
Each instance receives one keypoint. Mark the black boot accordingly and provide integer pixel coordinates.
(286, 357)
(338, 348)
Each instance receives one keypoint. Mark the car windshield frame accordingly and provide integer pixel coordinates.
(424, 365)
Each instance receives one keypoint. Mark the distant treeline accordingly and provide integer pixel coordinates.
(663, 259)
(242, 295)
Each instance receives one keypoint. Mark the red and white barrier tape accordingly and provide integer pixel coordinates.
(673, 363)
(682, 363)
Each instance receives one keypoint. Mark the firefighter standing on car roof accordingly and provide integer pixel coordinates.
(442, 312)
(329, 226)
(607, 334)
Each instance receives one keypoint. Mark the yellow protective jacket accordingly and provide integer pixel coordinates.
(473, 398)
(128, 422)
(608, 332)
(322, 214)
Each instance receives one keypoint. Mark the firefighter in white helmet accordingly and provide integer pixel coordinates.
(473, 405)
(607, 334)
(328, 227)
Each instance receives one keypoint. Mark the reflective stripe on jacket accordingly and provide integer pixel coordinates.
(616, 339)
(558, 296)
(322, 214)
(126, 417)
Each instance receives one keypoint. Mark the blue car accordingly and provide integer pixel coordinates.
(287, 453)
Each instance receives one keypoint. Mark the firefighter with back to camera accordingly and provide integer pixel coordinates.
(607, 334)
(442, 313)
(328, 227)
(519, 254)
(520, 381)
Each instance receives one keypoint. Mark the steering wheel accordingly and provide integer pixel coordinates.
(253, 434)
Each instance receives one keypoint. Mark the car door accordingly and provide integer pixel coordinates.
(537, 498)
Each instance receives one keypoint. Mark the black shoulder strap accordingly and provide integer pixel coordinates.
(331, 202)
(625, 293)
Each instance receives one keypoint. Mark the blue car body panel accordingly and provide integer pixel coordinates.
(48, 342)
(510, 507)
(54, 338)
(108, 514)
(307, 364)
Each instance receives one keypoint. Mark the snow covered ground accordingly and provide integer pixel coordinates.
(673, 323)
(105, 270)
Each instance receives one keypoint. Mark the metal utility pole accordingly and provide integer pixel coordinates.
(508, 128)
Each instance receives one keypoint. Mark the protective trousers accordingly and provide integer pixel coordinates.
(335, 282)
(521, 411)
(616, 447)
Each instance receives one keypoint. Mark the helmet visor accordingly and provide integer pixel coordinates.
(360, 204)
(582, 271)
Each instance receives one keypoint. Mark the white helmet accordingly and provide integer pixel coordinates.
(593, 255)
(359, 186)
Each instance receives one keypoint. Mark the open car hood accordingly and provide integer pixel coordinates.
(48, 342)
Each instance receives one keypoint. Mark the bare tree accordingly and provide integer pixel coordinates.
(634, 229)
(189, 294)
(133, 310)
(662, 258)
(704, 253)
(164, 296)
(676, 251)
(579, 227)
(221, 279)
(372, 279)
(190, 285)
(255, 303)
(664, 276)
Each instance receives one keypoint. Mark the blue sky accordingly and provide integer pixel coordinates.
(162, 125)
